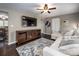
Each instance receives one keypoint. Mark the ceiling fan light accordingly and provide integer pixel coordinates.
(45, 10)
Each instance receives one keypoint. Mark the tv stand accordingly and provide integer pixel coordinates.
(27, 35)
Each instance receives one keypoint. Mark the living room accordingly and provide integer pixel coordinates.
(32, 28)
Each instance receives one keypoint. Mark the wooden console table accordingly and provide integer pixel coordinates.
(27, 35)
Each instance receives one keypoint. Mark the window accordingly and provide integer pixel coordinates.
(1, 23)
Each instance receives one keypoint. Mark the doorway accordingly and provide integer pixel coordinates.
(3, 28)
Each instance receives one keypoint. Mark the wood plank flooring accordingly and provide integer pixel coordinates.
(6, 50)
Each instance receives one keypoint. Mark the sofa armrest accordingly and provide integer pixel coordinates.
(52, 52)
(56, 44)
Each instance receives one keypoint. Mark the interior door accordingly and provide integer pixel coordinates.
(55, 24)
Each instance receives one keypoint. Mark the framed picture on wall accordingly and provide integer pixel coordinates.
(47, 23)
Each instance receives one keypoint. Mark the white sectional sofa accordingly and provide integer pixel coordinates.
(56, 50)
(53, 49)
(48, 51)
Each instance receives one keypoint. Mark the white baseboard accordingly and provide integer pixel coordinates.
(12, 43)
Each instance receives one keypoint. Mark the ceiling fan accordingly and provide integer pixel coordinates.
(46, 9)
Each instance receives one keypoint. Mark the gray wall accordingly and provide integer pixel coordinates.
(15, 24)
(71, 21)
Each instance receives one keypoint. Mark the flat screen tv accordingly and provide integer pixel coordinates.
(28, 21)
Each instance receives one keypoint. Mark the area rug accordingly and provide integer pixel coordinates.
(34, 48)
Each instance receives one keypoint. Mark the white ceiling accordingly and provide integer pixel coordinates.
(61, 8)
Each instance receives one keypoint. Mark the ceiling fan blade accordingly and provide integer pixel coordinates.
(48, 12)
(39, 9)
(52, 8)
(42, 12)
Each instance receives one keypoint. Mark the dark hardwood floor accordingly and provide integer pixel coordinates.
(10, 50)
(7, 50)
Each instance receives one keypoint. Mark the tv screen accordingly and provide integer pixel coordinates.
(29, 21)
